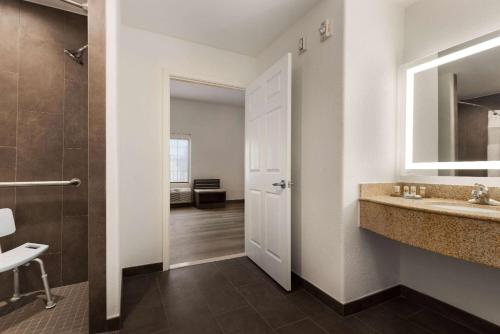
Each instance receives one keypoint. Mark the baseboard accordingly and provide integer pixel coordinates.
(113, 324)
(331, 302)
(141, 270)
(180, 205)
(372, 300)
(451, 312)
(236, 201)
(350, 307)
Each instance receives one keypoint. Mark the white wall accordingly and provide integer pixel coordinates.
(432, 26)
(373, 51)
(316, 146)
(113, 268)
(144, 60)
(217, 141)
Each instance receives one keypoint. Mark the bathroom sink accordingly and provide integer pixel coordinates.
(463, 208)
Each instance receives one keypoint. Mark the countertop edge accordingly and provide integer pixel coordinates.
(379, 200)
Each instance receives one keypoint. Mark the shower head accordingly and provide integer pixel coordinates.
(495, 112)
(77, 55)
(81, 5)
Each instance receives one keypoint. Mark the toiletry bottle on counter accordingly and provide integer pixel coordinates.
(406, 191)
(396, 191)
(422, 191)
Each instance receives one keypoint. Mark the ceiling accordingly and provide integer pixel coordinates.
(242, 26)
(60, 5)
(207, 93)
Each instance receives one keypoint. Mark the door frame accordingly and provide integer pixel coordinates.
(165, 149)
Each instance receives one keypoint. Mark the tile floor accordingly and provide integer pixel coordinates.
(29, 315)
(235, 296)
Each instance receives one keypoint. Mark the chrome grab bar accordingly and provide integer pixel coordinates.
(73, 182)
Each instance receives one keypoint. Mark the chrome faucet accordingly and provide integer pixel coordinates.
(481, 195)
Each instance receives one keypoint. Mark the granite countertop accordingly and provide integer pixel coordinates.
(426, 206)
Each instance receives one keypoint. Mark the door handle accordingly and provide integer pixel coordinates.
(282, 184)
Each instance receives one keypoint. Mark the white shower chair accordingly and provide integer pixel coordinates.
(22, 255)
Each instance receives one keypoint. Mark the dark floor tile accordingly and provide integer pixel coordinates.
(214, 281)
(238, 273)
(190, 278)
(307, 303)
(206, 324)
(436, 323)
(402, 307)
(224, 300)
(384, 321)
(274, 307)
(143, 319)
(334, 323)
(142, 291)
(259, 273)
(188, 311)
(301, 327)
(177, 280)
(175, 298)
(243, 321)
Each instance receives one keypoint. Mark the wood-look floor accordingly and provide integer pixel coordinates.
(203, 234)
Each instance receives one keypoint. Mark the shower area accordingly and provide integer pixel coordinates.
(46, 156)
(478, 133)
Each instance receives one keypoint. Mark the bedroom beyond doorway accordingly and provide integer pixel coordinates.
(207, 186)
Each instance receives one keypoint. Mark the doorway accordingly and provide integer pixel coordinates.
(267, 170)
(206, 172)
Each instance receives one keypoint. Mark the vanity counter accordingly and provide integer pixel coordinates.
(438, 205)
(470, 236)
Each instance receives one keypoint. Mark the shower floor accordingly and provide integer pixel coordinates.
(29, 315)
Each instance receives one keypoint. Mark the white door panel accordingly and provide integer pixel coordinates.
(268, 162)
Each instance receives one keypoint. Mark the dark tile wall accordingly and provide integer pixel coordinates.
(472, 127)
(44, 136)
(97, 166)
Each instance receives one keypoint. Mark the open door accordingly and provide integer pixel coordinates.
(268, 171)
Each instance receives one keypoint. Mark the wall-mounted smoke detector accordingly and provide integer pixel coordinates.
(325, 30)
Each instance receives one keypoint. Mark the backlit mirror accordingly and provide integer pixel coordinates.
(452, 111)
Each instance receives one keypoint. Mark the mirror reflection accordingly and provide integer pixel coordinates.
(457, 112)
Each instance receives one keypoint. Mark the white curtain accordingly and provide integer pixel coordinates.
(494, 140)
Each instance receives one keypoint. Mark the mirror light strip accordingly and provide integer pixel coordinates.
(410, 98)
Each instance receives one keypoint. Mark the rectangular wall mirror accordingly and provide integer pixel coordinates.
(452, 110)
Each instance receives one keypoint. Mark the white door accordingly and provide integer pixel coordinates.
(268, 171)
